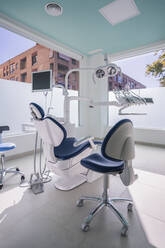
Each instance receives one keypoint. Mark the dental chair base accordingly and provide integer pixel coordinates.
(70, 174)
(105, 201)
(68, 183)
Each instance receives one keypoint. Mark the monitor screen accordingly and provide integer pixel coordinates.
(42, 81)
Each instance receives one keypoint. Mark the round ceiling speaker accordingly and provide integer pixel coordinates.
(53, 9)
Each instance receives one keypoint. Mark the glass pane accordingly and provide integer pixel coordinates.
(142, 75)
(16, 66)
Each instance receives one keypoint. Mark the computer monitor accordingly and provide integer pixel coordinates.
(42, 81)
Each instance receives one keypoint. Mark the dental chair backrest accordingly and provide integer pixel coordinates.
(49, 130)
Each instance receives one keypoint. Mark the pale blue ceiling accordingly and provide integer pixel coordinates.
(83, 28)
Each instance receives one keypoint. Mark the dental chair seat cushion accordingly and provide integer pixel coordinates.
(98, 163)
(67, 149)
(6, 147)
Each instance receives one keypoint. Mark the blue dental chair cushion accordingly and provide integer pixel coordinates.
(6, 147)
(98, 163)
(67, 149)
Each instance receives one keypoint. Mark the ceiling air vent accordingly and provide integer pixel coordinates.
(119, 11)
(53, 9)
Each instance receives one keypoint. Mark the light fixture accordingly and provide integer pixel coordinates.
(95, 51)
(53, 9)
(119, 11)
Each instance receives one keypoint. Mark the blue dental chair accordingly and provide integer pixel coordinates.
(4, 147)
(63, 154)
(116, 156)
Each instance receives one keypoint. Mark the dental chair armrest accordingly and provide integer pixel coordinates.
(84, 139)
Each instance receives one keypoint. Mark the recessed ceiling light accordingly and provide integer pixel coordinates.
(95, 51)
(119, 11)
(53, 9)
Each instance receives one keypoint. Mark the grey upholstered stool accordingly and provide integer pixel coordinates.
(117, 152)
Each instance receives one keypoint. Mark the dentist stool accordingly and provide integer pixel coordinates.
(116, 156)
(4, 147)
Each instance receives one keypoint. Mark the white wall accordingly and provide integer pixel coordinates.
(149, 128)
(15, 98)
(14, 111)
(154, 118)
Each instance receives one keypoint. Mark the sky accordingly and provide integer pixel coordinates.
(12, 44)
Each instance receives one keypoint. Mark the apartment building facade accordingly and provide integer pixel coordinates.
(124, 81)
(40, 58)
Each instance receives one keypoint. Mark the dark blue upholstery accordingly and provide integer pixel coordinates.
(108, 136)
(98, 163)
(4, 128)
(39, 109)
(67, 149)
(101, 162)
(50, 118)
(7, 147)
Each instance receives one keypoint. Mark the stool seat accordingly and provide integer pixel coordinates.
(7, 146)
(98, 163)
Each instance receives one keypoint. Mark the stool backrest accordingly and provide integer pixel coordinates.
(119, 142)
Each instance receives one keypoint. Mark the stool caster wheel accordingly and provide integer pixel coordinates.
(124, 231)
(80, 203)
(17, 169)
(1, 186)
(85, 227)
(130, 207)
(22, 178)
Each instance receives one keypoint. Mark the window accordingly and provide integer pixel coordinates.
(63, 68)
(34, 58)
(16, 66)
(114, 78)
(73, 62)
(61, 78)
(74, 75)
(12, 68)
(120, 79)
(23, 63)
(132, 86)
(23, 77)
(52, 67)
(51, 53)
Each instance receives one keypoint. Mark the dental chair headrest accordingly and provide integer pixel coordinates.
(36, 111)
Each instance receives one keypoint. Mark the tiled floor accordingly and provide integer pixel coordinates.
(52, 220)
